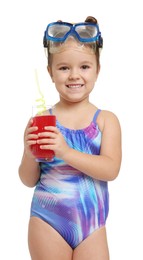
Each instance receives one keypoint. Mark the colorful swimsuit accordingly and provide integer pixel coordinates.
(70, 201)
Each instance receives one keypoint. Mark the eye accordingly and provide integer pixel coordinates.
(84, 67)
(63, 68)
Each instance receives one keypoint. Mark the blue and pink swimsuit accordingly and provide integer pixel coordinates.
(73, 203)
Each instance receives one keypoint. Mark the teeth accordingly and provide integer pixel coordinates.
(74, 86)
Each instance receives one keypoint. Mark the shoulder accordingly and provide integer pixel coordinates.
(107, 119)
(109, 125)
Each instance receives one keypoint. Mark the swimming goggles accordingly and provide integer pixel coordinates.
(85, 32)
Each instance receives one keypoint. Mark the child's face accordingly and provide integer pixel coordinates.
(74, 71)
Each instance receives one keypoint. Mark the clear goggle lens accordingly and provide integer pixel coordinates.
(60, 31)
(86, 31)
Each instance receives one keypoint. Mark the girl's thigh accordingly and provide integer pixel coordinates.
(45, 243)
(94, 247)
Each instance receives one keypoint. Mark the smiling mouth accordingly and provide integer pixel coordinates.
(73, 86)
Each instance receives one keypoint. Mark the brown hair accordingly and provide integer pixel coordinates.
(91, 19)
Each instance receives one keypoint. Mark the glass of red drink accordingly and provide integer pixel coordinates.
(41, 120)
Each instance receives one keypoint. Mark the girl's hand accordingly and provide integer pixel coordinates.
(30, 138)
(53, 140)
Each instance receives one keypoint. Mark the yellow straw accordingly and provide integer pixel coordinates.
(42, 106)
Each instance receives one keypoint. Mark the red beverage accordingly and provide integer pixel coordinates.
(41, 121)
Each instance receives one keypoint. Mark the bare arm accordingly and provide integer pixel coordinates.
(29, 170)
(106, 165)
(102, 167)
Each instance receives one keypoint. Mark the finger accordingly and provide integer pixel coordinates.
(52, 128)
(47, 147)
(32, 129)
(45, 141)
(30, 142)
(32, 136)
(52, 135)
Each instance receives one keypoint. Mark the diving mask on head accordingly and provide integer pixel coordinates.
(86, 33)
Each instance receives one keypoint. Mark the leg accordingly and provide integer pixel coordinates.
(93, 247)
(46, 243)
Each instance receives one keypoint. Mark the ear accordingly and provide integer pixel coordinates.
(98, 69)
(50, 73)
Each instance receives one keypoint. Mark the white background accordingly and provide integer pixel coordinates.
(22, 24)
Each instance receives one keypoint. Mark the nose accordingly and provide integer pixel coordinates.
(74, 75)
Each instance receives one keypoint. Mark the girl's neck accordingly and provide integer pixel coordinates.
(73, 105)
(74, 115)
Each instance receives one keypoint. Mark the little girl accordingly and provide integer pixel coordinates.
(70, 203)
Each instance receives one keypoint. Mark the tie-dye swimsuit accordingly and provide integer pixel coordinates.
(73, 203)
